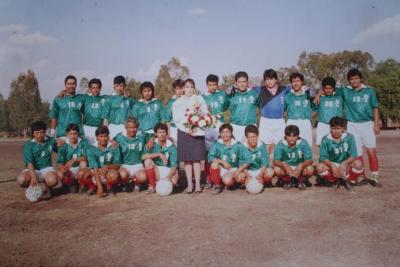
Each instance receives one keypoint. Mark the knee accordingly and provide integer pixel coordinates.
(123, 173)
(228, 181)
(268, 174)
(112, 175)
(51, 179)
(321, 167)
(214, 166)
(308, 171)
(278, 171)
(23, 179)
(60, 174)
(141, 177)
(83, 164)
(148, 163)
(240, 178)
(357, 164)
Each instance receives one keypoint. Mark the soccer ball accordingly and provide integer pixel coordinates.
(254, 186)
(34, 193)
(164, 187)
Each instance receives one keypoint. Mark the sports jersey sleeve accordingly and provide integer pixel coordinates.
(352, 147)
(373, 99)
(54, 146)
(323, 151)
(54, 109)
(307, 151)
(339, 91)
(278, 153)
(61, 156)
(173, 157)
(116, 155)
(105, 112)
(213, 153)
(264, 156)
(245, 156)
(92, 159)
(28, 155)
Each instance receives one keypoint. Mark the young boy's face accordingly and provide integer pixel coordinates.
(161, 135)
(252, 139)
(119, 88)
(270, 82)
(328, 90)
(179, 91)
(70, 86)
(355, 81)
(147, 93)
(212, 86)
(337, 131)
(73, 136)
(226, 135)
(39, 135)
(95, 89)
(242, 84)
(131, 129)
(291, 139)
(102, 139)
(297, 84)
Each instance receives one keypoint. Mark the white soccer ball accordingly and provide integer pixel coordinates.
(34, 193)
(254, 186)
(164, 187)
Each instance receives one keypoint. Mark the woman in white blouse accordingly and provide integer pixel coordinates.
(191, 143)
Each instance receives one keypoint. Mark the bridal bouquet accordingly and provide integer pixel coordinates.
(195, 119)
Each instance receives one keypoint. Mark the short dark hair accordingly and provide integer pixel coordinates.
(133, 120)
(241, 74)
(72, 127)
(225, 126)
(270, 74)
(95, 81)
(189, 81)
(147, 85)
(177, 83)
(102, 130)
(338, 121)
(251, 129)
(38, 126)
(292, 130)
(119, 79)
(69, 77)
(328, 81)
(295, 75)
(161, 126)
(212, 78)
(354, 72)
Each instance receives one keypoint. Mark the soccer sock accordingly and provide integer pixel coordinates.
(328, 176)
(373, 163)
(354, 174)
(215, 175)
(286, 178)
(151, 177)
(207, 167)
(123, 181)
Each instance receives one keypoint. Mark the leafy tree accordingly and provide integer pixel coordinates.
(4, 119)
(133, 86)
(167, 74)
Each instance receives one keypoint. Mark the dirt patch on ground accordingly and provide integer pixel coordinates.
(317, 227)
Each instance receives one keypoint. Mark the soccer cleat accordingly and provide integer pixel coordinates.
(150, 190)
(374, 180)
(361, 180)
(208, 185)
(128, 186)
(91, 191)
(307, 182)
(302, 186)
(217, 190)
(345, 183)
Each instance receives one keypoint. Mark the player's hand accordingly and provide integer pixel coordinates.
(163, 158)
(336, 171)
(342, 169)
(150, 144)
(60, 142)
(69, 164)
(377, 129)
(226, 165)
(317, 97)
(62, 93)
(297, 171)
(114, 144)
(34, 181)
(100, 192)
(104, 170)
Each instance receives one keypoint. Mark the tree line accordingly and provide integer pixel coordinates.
(24, 104)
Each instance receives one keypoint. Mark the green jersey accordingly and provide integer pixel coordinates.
(235, 153)
(39, 154)
(92, 110)
(329, 106)
(168, 111)
(170, 152)
(117, 108)
(298, 107)
(337, 152)
(132, 149)
(359, 104)
(295, 155)
(243, 107)
(148, 113)
(98, 158)
(69, 151)
(258, 155)
(217, 103)
(67, 110)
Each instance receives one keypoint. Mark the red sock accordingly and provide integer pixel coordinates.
(123, 181)
(328, 176)
(354, 174)
(207, 167)
(286, 178)
(68, 181)
(373, 162)
(89, 184)
(215, 175)
(151, 177)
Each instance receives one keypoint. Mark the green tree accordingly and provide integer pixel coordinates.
(24, 103)
(133, 86)
(4, 119)
(166, 75)
(385, 78)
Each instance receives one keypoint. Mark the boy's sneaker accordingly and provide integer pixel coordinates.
(361, 180)
(346, 184)
(137, 188)
(208, 185)
(307, 182)
(217, 190)
(74, 187)
(302, 186)
(374, 180)
(150, 190)
(128, 186)
(287, 185)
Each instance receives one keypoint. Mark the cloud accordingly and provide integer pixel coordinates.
(196, 12)
(389, 27)
(29, 39)
(13, 28)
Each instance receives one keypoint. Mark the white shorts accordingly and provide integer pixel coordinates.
(90, 133)
(305, 129)
(173, 133)
(253, 173)
(211, 135)
(238, 132)
(271, 130)
(322, 130)
(163, 171)
(41, 173)
(74, 171)
(116, 129)
(224, 171)
(132, 169)
(364, 134)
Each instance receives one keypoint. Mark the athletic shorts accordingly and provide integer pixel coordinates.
(238, 132)
(41, 173)
(224, 171)
(211, 135)
(132, 169)
(90, 133)
(322, 130)
(305, 129)
(363, 133)
(173, 133)
(271, 130)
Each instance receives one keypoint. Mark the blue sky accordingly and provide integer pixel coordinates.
(133, 38)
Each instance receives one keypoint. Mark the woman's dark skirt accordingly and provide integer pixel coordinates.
(191, 148)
